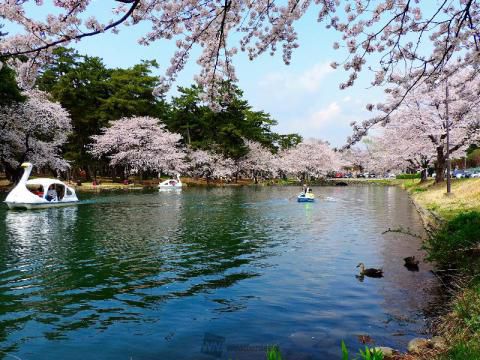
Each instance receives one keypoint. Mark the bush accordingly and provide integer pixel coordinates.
(409, 176)
(463, 351)
(367, 354)
(455, 241)
(467, 310)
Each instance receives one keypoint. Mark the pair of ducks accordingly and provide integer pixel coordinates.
(410, 263)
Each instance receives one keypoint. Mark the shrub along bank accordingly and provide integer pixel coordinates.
(455, 248)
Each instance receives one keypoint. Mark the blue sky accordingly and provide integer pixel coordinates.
(303, 97)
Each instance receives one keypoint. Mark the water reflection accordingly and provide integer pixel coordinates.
(26, 226)
(155, 271)
(115, 262)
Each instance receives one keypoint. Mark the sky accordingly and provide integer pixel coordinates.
(304, 97)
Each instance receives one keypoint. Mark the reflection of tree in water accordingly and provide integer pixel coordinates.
(28, 244)
(115, 260)
(408, 296)
(223, 239)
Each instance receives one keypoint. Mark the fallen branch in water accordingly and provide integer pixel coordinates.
(402, 231)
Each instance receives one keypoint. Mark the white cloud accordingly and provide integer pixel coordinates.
(308, 81)
(313, 121)
(322, 117)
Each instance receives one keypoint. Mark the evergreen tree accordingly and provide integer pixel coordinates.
(9, 90)
(95, 95)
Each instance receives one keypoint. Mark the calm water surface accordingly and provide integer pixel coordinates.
(210, 273)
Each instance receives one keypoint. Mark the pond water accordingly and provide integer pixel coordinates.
(210, 274)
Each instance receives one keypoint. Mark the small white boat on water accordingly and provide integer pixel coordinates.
(39, 193)
(171, 184)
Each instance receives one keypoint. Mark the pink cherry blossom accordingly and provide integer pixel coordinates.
(314, 158)
(416, 133)
(259, 162)
(140, 144)
(34, 131)
(412, 40)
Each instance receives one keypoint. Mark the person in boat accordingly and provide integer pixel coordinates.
(304, 189)
(51, 193)
(39, 191)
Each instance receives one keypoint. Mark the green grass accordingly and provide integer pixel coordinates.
(363, 354)
(467, 309)
(273, 353)
(408, 176)
(463, 326)
(462, 351)
(453, 245)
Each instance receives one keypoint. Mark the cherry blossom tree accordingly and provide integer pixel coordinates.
(417, 131)
(398, 150)
(225, 168)
(311, 158)
(259, 161)
(200, 164)
(140, 144)
(358, 158)
(33, 130)
(420, 37)
(209, 165)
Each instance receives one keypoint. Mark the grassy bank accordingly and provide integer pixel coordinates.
(465, 196)
(455, 248)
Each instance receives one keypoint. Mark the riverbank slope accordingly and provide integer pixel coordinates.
(454, 245)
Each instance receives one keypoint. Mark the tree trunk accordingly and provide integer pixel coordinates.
(440, 165)
(13, 174)
(189, 140)
(423, 175)
(90, 173)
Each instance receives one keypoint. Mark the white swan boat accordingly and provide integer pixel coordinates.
(172, 184)
(39, 193)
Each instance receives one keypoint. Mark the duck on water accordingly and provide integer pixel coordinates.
(39, 193)
(370, 272)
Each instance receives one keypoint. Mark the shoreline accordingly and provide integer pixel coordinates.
(438, 211)
(108, 185)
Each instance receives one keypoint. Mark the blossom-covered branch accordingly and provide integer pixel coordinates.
(413, 40)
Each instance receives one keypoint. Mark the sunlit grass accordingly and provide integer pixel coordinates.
(465, 196)
(462, 326)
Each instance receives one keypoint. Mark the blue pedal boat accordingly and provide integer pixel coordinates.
(308, 197)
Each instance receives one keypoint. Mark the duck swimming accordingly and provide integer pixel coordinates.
(411, 263)
(370, 272)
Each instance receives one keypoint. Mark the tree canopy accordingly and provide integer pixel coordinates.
(95, 95)
(9, 90)
(223, 130)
